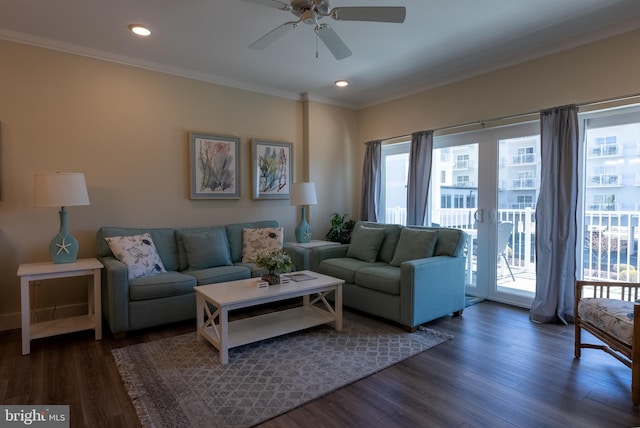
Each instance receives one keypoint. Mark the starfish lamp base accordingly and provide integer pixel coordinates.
(63, 246)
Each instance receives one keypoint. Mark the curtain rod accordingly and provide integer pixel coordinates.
(516, 116)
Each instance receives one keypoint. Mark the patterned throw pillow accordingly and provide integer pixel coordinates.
(257, 241)
(138, 252)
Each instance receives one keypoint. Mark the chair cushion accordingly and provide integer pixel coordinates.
(610, 315)
(381, 278)
(205, 249)
(365, 243)
(138, 252)
(414, 244)
(161, 285)
(260, 240)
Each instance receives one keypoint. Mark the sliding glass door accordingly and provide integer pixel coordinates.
(486, 182)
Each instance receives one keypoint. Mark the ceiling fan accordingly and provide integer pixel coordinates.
(312, 12)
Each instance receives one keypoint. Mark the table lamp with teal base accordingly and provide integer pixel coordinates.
(303, 194)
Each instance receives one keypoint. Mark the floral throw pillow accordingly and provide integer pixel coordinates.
(257, 241)
(138, 252)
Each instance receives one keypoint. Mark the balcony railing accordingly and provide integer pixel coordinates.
(524, 183)
(609, 248)
(608, 150)
(522, 159)
(462, 165)
(604, 180)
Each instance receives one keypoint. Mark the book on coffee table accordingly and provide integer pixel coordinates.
(297, 277)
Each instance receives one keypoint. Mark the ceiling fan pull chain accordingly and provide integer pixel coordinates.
(316, 44)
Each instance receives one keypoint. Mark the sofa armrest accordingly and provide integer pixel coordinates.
(115, 294)
(433, 286)
(319, 254)
(297, 255)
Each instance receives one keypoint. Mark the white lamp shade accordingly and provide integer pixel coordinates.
(303, 194)
(60, 189)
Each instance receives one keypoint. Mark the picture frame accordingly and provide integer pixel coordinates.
(214, 166)
(271, 168)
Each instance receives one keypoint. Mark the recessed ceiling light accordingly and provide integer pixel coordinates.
(341, 83)
(139, 30)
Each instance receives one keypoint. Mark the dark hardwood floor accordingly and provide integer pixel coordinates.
(499, 370)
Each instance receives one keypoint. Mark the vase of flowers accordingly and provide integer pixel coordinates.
(275, 263)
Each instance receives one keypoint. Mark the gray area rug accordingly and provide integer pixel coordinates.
(179, 381)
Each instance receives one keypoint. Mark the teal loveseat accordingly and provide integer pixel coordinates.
(410, 275)
(152, 300)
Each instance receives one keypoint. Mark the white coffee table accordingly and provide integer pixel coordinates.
(227, 296)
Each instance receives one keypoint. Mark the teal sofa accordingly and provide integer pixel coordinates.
(409, 275)
(148, 301)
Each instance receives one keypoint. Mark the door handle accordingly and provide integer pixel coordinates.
(477, 216)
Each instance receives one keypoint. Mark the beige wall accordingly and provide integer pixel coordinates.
(596, 71)
(127, 130)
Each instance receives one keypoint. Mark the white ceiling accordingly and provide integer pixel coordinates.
(441, 40)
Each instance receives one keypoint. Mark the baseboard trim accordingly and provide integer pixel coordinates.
(14, 321)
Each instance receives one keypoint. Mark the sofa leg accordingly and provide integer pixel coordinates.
(119, 335)
(410, 329)
(458, 313)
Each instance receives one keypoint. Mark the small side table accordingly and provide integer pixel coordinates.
(307, 247)
(30, 272)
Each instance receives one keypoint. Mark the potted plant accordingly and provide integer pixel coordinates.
(341, 228)
(274, 262)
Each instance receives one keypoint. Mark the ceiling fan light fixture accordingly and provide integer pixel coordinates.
(140, 30)
(341, 83)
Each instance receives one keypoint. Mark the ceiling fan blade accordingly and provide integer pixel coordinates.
(272, 3)
(333, 42)
(273, 35)
(373, 13)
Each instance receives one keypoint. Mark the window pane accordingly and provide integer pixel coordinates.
(611, 194)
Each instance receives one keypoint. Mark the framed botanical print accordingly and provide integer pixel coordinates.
(271, 165)
(214, 166)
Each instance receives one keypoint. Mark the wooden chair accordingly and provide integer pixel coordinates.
(627, 351)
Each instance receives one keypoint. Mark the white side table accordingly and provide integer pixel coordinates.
(30, 272)
(307, 247)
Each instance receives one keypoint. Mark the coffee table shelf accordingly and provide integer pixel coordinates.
(215, 327)
(254, 329)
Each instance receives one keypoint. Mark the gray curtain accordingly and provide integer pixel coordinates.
(419, 176)
(556, 223)
(371, 181)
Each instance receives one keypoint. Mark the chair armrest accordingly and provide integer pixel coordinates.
(436, 283)
(319, 254)
(115, 294)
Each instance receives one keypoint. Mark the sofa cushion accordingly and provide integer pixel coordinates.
(138, 252)
(235, 232)
(343, 268)
(258, 241)
(206, 249)
(390, 238)
(383, 278)
(450, 242)
(218, 274)
(414, 244)
(365, 243)
(163, 238)
(161, 285)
